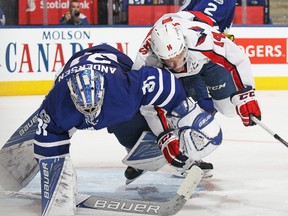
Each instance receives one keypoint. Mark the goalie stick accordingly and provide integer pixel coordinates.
(17, 164)
(170, 207)
(276, 136)
(93, 204)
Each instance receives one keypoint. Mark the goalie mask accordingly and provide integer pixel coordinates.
(87, 91)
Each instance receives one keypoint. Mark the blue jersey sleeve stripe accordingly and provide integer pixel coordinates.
(172, 91)
(160, 90)
(51, 144)
(51, 151)
(39, 157)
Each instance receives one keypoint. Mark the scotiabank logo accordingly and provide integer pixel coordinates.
(264, 50)
(31, 6)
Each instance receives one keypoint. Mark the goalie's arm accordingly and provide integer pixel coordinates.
(50, 140)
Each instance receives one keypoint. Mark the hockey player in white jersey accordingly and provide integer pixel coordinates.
(188, 48)
(96, 89)
(191, 48)
(219, 15)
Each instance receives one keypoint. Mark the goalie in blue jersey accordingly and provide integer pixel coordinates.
(96, 89)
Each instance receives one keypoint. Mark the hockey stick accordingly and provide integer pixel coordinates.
(17, 164)
(276, 136)
(93, 204)
(170, 207)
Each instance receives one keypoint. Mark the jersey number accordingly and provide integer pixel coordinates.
(103, 58)
(212, 8)
(41, 128)
(148, 85)
(43, 123)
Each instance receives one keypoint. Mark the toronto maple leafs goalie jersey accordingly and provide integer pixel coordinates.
(125, 92)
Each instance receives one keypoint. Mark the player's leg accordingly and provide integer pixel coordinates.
(196, 88)
(220, 85)
(58, 178)
(199, 135)
(58, 186)
(17, 164)
(128, 134)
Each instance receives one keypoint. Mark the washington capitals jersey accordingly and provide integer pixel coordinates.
(221, 11)
(204, 44)
(125, 92)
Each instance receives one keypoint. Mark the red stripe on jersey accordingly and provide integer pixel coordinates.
(203, 17)
(166, 20)
(162, 117)
(230, 67)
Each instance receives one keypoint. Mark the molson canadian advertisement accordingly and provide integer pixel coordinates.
(31, 56)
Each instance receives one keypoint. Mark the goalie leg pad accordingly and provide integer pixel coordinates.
(204, 136)
(145, 154)
(58, 186)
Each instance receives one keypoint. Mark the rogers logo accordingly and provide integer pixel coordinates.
(264, 50)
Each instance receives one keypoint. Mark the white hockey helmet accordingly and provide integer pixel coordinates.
(167, 41)
(87, 91)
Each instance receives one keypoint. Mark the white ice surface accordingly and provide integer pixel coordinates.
(250, 167)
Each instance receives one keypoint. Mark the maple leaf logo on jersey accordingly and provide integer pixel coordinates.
(202, 35)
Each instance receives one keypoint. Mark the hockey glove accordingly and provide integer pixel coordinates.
(168, 142)
(246, 105)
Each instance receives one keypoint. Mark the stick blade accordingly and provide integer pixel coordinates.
(191, 181)
(171, 207)
(185, 191)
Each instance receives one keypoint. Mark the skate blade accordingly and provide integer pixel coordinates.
(129, 181)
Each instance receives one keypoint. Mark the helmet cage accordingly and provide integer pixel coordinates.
(87, 91)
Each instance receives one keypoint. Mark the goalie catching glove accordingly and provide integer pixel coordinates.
(246, 105)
